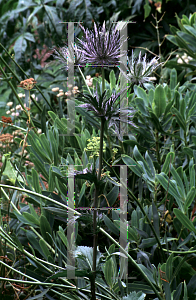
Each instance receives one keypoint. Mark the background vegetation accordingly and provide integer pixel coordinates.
(161, 184)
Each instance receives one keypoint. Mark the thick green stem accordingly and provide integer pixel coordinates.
(95, 211)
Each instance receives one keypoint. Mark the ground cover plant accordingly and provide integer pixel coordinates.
(48, 175)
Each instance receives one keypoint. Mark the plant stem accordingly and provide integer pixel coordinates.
(95, 211)
(19, 100)
(103, 79)
(17, 78)
(157, 148)
(25, 74)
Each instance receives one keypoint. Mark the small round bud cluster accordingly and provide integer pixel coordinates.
(183, 59)
(115, 150)
(68, 94)
(105, 174)
(94, 146)
(89, 80)
(5, 140)
(16, 111)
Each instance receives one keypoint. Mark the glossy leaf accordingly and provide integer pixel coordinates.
(162, 178)
(189, 198)
(169, 159)
(159, 102)
(44, 248)
(45, 227)
(184, 220)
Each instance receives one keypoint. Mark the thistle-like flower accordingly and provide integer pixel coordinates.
(139, 70)
(101, 47)
(107, 108)
(70, 54)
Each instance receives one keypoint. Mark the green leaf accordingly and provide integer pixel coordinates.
(155, 219)
(140, 158)
(17, 242)
(150, 164)
(45, 143)
(132, 233)
(192, 176)
(169, 267)
(179, 118)
(148, 273)
(172, 39)
(10, 172)
(177, 178)
(30, 218)
(37, 147)
(184, 220)
(28, 36)
(20, 47)
(159, 102)
(54, 146)
(135, 286)
(35, 179)
(130, 162)
(141, 106)
(82, 192)
(109, 272)
(155, 121)
(170, 157)
(148, 243)
(33, 212)
(189, 198)
(78, 273)
(51, 182)
(163, 180)
(44, 248)
(80, 143)
(112, 80)
(147, 10)
(189, 40)
(173, 81)
(110, 225)
(185, 291)
(134, 296)
(24, 220)
(141, 94)
(62, 236)
(168, 107)
(45, 227)
(182, 108)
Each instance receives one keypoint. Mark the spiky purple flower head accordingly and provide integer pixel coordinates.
(71, 54)
(100, 46)
(107, 108)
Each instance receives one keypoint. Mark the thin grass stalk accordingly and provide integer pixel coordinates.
(17, 78)
(19, 100)
(25, 75)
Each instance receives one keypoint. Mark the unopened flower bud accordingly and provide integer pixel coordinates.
(56, 89)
